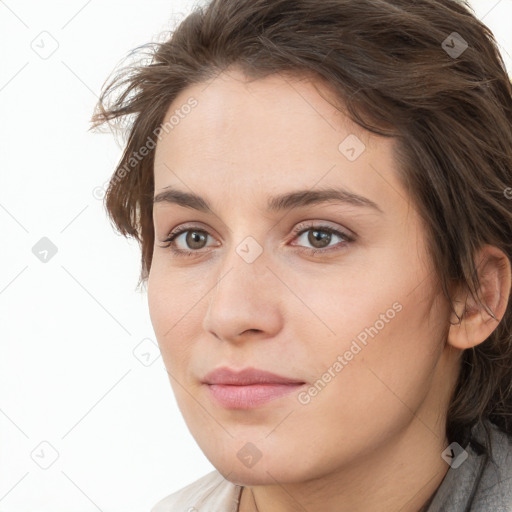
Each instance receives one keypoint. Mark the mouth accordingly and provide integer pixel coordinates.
(248, 388)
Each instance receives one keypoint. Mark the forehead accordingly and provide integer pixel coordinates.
(264, 133)
(231, 106)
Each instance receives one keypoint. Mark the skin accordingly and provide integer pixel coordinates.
(371, 439)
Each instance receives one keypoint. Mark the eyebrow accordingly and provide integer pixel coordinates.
(287, 201)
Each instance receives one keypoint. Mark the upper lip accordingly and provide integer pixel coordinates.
(245, 377)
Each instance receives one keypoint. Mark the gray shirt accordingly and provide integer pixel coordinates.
(481, 483)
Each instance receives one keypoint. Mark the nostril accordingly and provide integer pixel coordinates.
(251, 330)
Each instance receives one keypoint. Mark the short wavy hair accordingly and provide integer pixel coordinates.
(427, 73)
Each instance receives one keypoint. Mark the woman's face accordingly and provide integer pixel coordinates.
(357, 322)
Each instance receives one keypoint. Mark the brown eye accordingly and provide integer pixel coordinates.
(195, 239)
(318, 238)
(187, 241)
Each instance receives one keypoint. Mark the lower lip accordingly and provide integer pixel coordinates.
(250, 396)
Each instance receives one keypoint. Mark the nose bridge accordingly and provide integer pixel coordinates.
(246, 253)
(242, 297)
(244, 271)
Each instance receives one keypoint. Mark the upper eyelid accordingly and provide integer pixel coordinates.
(304, 225)
(179, 230)
(337, 231)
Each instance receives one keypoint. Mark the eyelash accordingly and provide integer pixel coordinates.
(299, 230)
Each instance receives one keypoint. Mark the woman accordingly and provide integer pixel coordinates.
(321, 191)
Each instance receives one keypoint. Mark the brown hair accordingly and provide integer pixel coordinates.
(399, 70)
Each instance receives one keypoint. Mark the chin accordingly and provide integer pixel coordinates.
(252, 477)
(262, 473)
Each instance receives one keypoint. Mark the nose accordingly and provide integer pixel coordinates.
(245, 302)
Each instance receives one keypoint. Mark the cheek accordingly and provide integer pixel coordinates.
(369, 390)
(386, 336)
(388, 359)
(174, 307)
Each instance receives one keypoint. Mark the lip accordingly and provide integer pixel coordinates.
(246, 377)
(248, 388)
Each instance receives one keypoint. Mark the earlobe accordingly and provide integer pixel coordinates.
(475, 320)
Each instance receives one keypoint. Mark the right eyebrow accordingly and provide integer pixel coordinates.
(185, 199)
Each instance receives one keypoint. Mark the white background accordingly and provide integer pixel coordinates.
(69, 327)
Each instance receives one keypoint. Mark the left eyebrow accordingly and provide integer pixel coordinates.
(287, 201)
(302, 198)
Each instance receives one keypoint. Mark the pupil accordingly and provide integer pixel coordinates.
(194, 238)
(319, 238)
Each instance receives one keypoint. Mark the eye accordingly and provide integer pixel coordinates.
(322, 239)
(192, 237)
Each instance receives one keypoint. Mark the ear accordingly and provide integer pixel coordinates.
(477, 321)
